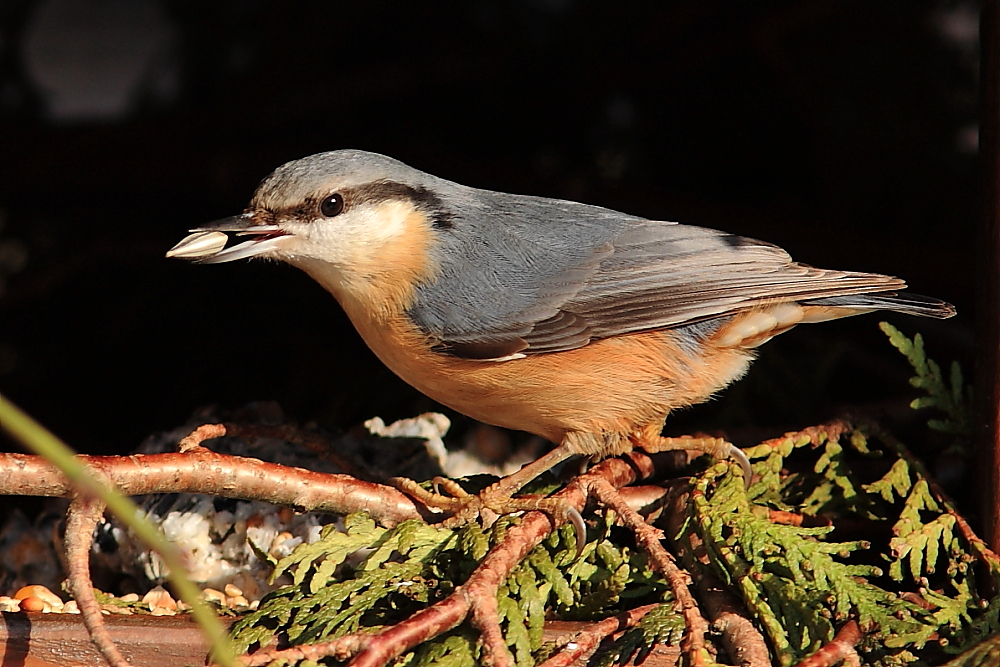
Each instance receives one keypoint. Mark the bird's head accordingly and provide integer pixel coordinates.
(354, 221)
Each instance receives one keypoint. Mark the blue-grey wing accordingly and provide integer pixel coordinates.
(529, 275)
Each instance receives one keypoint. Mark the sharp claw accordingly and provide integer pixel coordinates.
(579, 527)
(741, 458)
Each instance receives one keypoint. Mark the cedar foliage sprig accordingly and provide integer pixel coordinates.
(951, 396)
(361, 577)
(798, 585)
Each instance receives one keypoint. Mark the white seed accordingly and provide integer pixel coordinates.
(198, 245)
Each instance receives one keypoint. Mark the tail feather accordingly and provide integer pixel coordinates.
(900, 302)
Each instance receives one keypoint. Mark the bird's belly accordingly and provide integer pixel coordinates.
(614, 385)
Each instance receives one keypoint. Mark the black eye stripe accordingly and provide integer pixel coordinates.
(375, 193)
(332, 205)
(421, 197)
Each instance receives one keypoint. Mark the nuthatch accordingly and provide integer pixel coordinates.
(580, 324)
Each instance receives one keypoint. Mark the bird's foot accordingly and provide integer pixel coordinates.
(650, 441)
(493, 501)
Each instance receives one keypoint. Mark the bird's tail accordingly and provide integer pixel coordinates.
(900, 302)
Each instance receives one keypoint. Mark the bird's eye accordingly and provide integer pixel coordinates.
(332, 205)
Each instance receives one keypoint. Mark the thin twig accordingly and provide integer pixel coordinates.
(585, 642)
(742, 640)
(797, 519)
(82, 518)
(94, 483)
(840, 648)
(314, 442)
(649, 538)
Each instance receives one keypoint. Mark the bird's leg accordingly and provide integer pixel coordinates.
(649, 440)
(498, 497)
(514, 482)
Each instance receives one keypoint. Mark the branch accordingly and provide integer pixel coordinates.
(203, 471)
(649, 538)
(742, 640)
(585, 642)
(81, 520)
(310, 440)
(841, 648)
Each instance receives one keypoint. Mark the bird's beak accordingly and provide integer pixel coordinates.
(207, 244)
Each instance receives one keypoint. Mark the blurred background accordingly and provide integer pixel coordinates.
(842, 130)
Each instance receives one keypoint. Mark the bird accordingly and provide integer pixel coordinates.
(577, 323)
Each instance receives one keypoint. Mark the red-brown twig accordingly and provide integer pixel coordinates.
(648, 500)
(314, 442)
(649, 538)
(203, 471)
(840, 648)
(796, 519)
(585, 642)
(742, 640)
(81, 520)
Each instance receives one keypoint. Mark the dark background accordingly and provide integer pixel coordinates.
(843, 131)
